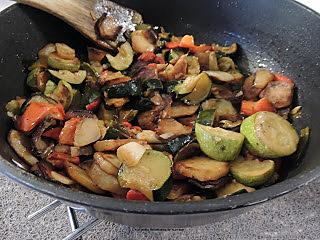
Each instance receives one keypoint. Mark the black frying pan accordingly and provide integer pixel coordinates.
(279, 35)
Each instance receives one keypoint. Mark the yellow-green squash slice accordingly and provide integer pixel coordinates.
(218, 143)
(252, 173)
(269, 136)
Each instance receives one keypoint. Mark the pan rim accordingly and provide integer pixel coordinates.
(104, 203)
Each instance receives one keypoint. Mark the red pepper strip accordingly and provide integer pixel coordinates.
(136, 195)
(93, 105)
(67, 133)
(200, 48)
(64, 157)
(249, 107)
(172, 45)
(127, 125)
(279, 77)
(148, 56)
(53, 133)
(152, 65)
(37, 111)
(137, 128)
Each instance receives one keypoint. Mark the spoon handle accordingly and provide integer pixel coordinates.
(76, 13)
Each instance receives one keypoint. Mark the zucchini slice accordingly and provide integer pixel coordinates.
(59, 63)
(268, 135)
(123, 59)
(218, 143)
(150, 174)
(200, 91)
(202, 168)
(73, 78)
(233, 188)
(252, 173)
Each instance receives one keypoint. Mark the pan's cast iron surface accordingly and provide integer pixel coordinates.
(279, 35)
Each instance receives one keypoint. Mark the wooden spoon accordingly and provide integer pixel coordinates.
(77, 13)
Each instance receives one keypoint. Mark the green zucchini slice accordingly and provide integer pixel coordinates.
(59, 63)
(70, 77)
(123, 59)
(252, 173)
(218, 143)
(268, 135)
(150, 174)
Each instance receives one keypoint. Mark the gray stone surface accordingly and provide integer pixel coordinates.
(293, 216)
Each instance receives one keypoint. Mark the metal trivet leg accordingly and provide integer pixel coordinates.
(77, 231)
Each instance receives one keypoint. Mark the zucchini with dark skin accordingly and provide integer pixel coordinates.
(129, 89)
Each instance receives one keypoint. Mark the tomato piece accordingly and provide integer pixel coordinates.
(148, 56)
(280, 77)
(36, 112)
(93, 105)
(136, 195)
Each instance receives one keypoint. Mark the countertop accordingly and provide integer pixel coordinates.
(293, 216)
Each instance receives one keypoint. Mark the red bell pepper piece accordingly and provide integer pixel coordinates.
(148, 56)
(250, 107)
(36, 112)
(136, 195)
(53, 133)
(93, 105)
(67, 133)
(280, 77)
(172, 45)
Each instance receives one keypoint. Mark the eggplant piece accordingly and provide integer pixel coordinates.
(202, 168)
(211, 185)
(254, 84)
(45, 52)
(129, 89)
(42, 147)
(12, 108)
(90, 94)
(117, 132)
(20, 144)
(32, 78)
(233, 188)
(181, 110)
(113, 144)
(190, 198)
(79, 114)
(45, 169)
(187, 151)
(221, 76)
(169, 86)
(95, 54)
(70, 77)
(279, 93)
(177, 143)
(140, 104)
(87, 132)
(188, 121)
(143, 41)
(171, 126)
(178, 190)
(116, 102)
(107, 27)
(123, 59)
(65, 52)
(56, 62)
(208, 61)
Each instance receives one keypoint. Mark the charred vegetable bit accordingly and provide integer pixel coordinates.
(156, 117)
